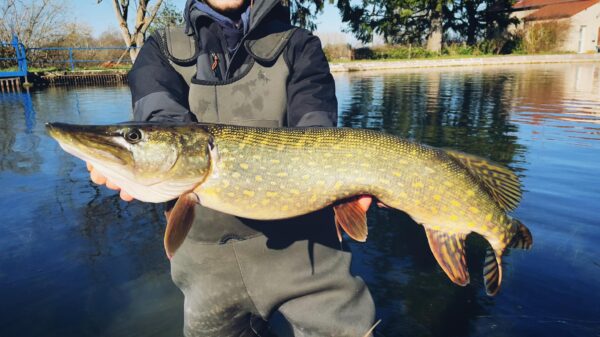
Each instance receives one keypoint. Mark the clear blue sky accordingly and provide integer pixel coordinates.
(100, 17)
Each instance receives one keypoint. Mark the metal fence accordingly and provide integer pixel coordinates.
(14, 55)
(73, 57)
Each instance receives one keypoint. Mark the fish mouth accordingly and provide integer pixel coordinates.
(93, 143)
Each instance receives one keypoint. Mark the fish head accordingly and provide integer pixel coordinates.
(152, 162)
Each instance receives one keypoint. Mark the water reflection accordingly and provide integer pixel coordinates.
(496, 113)
(77, 261)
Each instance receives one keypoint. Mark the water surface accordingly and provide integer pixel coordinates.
(78, 261)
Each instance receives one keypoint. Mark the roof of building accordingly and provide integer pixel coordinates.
(553, 9)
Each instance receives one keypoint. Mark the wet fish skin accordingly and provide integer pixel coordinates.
(275, 173)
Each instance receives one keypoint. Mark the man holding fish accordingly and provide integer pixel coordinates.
(240, 62)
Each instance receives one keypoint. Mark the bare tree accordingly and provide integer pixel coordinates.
(35, 22)
(134, 36)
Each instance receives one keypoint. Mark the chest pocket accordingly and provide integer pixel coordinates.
(257, 98)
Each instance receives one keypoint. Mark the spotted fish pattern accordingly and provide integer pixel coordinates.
(275, 173)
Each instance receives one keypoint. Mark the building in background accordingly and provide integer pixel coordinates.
(582, 17)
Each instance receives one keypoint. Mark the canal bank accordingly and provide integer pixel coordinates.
(461, 62)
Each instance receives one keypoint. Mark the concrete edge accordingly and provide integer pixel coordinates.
(459, 62)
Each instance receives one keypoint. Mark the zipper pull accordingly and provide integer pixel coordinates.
(215, 62)
(215, 65)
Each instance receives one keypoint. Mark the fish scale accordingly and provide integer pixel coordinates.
(276, 173)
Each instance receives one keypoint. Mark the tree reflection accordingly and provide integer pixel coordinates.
(468, 111)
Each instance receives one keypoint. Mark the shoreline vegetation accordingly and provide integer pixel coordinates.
(344, 64)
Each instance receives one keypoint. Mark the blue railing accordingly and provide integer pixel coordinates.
(20, 57)
(72, 61)
(72, 56)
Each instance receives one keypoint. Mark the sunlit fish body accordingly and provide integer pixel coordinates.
(275, 173)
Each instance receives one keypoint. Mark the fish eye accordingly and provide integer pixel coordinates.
(133, 136)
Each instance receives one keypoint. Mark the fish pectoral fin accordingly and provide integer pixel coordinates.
(179, 222)
(449, 252)
(351, 217)
(522, 238)
(492, 272)
(501, 183)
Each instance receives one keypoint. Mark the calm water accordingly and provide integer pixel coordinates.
(77, 261)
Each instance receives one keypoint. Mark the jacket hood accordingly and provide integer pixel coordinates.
(260, 10)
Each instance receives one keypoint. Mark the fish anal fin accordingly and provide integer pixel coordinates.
(352, 218)
(179, 222)
(492, 271)
(522, 238)
(501, 183)
(449, 252)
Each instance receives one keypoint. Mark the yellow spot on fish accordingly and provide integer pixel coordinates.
(244, 166)
(470, 193)
(294, 191)
(489, 217)
(474, 209)
(453, 217)
(418, 184)
(448, 183)
(236, 175)
(282, 174)
(434, 210)
(313, 198)
(455, 203)
(272, 194)
(256, 157)
(437, 197)
(349, 155)
(470, 224)
(275, 161)
(285, 208)
(338, 185)
(305, 177)
(258, 178)
(397, 174)
(248, 193)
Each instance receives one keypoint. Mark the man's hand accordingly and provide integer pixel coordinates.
(99, 179)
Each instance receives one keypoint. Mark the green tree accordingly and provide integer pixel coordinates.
(398, 21)
(168, 15)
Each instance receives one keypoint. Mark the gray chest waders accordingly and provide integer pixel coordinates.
(254, 96)
(235, 273)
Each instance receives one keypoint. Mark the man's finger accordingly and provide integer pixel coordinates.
(112, 186)
(89, 166)
(97, 178)
(125, 196)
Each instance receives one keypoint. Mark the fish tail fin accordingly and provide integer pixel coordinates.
(492, 271)
(522, 238)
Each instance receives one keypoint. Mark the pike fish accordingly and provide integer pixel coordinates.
(276, 173)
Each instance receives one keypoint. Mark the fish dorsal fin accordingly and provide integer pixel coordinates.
(501, 183)
(449, 252)
(179, 222)
(492, 272)
(352, 219)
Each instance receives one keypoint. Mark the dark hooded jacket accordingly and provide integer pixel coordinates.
(161, 94)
